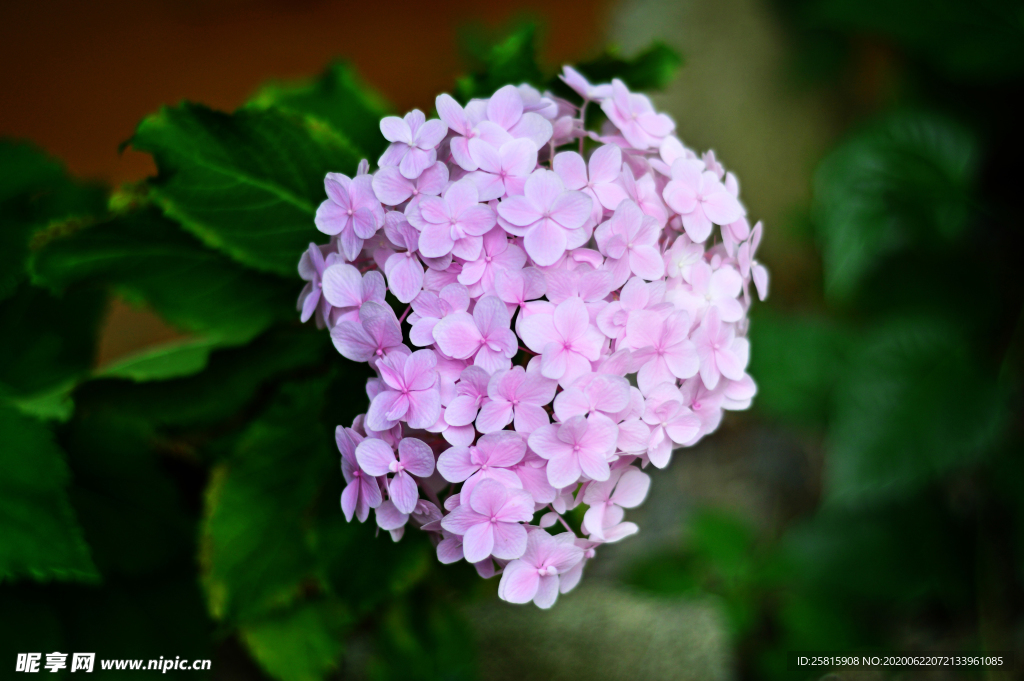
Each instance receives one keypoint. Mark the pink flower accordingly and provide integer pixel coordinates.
(698, 196)
(410, 393)
(644, 192)
(670, 421)
(535, 576)
(468, 124)
(662, 344)
(490, 457)
(361, 490)
(403, 268)
(602, 184)
(351, 211)
(414, 142)
(626, 488)
(750, 267)
(490, 522)
(581, 445)
(634, 116)
(506, 109)
(376, 458)
(593, 393)
(682, 256)
(471, 390)
(516, 287)
(516, 396)
(497, 255)
(376, 333)
(485, 336)
(566, 341)
(549, 217)
(575, 80)
(347, 291)
(311, 300)
(709, 289)
(721, 353)
(455, 223)
(502, 170)
(629, 239)
(636, 295)
(430, 308)
(393, 188)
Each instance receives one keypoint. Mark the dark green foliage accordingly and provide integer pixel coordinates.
(246, 183)
(499, 62)
(652, 69)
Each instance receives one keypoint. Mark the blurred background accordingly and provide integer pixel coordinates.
(872, 499)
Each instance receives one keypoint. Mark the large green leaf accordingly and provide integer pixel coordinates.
(35, 189)
(147, 257)
(246, 183)
(340, 99)
(41, 537)
(49, 341)
(652, 69)
(911, 406)
(303, 643)
(902, 184)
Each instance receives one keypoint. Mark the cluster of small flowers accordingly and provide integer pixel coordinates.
(571, 321)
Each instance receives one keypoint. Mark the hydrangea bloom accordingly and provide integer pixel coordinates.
(572, 309)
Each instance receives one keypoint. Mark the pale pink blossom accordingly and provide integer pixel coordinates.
(376, 333)
(516, 396)
(414, 142)
(580, 446)
(410, 391)
(670, 422)
(471, 391)
(392, 187)
(506, 108)
(376, 458)
(663, 346)
(721, 352)
(698, 196)
(599, 179)
(484, 336)
(576, 80)
(635, 117)
(497, 255)
(312, 264)
(626, 488)
(491, 457)
(351, 211)
(502, 170)
(593, 393)
(346, 291)
(455, 222)
(565, 339)
(711, 289)
(549, 217)
(535, 576)
(429, 308)
(490, 522)
(403, 268)
(361, 491)
(629, 240)
(750, 268)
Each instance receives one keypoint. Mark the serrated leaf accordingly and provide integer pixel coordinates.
(338, 98)
(911, 406)
(146, 256)
(41, 536)
(55, 342)
(903, 184)
(652, 69)
(247, 183)
(34, 190)
(301, 644)
(509, 60)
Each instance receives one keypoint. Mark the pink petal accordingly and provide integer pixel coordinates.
(416, 456)
(374, 457)
(519, 582)
(722, 207)
(390, 187)
(545, 242)
(349, 500)
(451, 113)
(571, 209)
(537, 331)
(485, 156)
(478, 542)
(563, 470)
(646, 262)
(478, 219)
(403, 492)
(436, 241)
(395, 129)
(505, 107)
(509, 540)
(424, 408)
(529, 417)
(420, 370)
(405, 276)
(542, 188)
(454, 464)
(416, 161)
(572, 169)
(494, 416)
(518, 210)
(457, 335)
(631, 490)
(605, 164)
(504, 448)
(431, 133)
(519, 157)
(533, 127)
(390, 518)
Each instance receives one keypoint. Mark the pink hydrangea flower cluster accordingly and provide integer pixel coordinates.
(569, 320)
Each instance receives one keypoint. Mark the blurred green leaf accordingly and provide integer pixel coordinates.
(797, 361)
(233, 378)
(911, 406)
(55, 342)
(981, 40)
(170, 360)
(247, 183)
(303, 643)
(255, 544)
(147, 257)
(652, 69)
(34, 190)
(41, 537)
(904, 183)
(510, 60)
(340, 99)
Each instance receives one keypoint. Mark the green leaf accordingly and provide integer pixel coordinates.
(147, 257)
(911, 406)
(41, 537)
(303, 643)
(232, 379)
(55, 343)
(339, 99)
(652, 69)
(34, 190)
(247, 183)
(512, 59)
(255, 543)
(902, 184)
(797, 360)
(171, 360)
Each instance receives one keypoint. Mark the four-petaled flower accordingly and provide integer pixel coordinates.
(414, 142)
(410, 391)
(350, 211)
(489, 522)
(455, 222)
(580, 446)
(535, 576)
(376, 458)
(549, 217)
